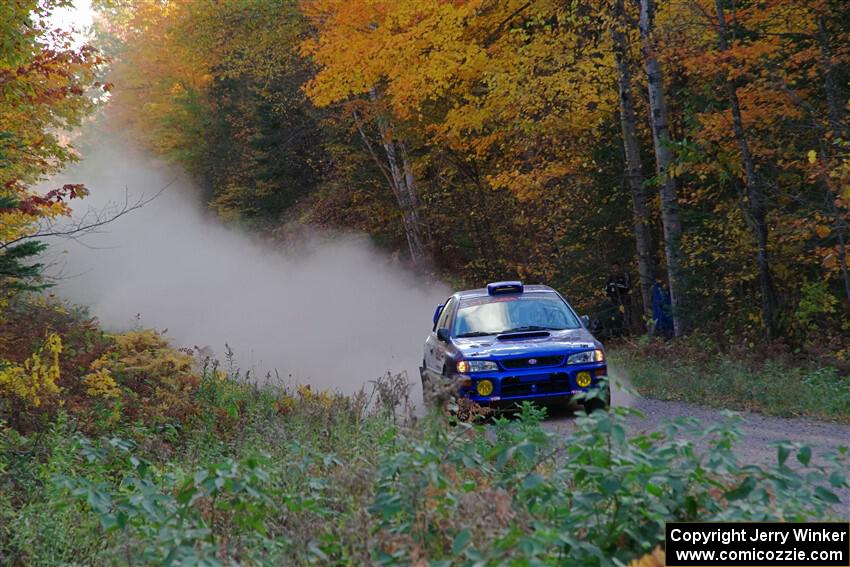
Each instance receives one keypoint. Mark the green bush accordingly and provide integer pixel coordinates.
(592, 497)
(335, 480)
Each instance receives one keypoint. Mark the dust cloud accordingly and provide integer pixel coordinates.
(335, 314)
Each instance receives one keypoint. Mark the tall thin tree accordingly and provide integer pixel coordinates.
(670, 217)
(756, 206)
(631, 147)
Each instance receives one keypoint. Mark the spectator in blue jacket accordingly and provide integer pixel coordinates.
(662, 319)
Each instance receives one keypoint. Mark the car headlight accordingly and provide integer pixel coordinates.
(586, 357)
(467, 366)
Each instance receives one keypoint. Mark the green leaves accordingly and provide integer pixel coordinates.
(460, 541)
(615, 490)
(743, 490)
(826, 495)
(166, 513)
(782, 452)
(804, 455)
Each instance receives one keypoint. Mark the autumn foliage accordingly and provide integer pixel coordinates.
(101, 379)
(485, 139)
(47, 84)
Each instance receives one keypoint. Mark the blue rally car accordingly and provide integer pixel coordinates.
(509, 343)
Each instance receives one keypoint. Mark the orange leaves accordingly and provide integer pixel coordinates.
(44, 83)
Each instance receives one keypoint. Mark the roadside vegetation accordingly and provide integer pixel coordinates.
(128, 451)
(779, 382)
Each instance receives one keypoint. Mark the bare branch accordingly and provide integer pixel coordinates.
(90, 222)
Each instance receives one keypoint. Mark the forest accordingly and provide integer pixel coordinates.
(702, 145)
(698, 142)
(694, 142)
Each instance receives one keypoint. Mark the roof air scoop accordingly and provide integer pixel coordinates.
(498, 288)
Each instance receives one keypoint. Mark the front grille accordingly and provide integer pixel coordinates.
(539, 362)
(549, 384)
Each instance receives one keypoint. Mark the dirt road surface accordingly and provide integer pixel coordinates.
(758, 432)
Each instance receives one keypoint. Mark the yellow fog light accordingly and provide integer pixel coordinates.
(484, 388)
(583, 379)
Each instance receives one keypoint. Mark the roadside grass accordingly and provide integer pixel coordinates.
(303, 477)
(778, 386)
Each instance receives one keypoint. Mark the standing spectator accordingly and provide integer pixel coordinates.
(618, 289)
(662, 319)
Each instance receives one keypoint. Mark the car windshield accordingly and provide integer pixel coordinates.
(481, 316)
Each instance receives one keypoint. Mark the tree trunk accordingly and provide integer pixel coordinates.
(836, 121)
(755, 195)
(399, 174)
(634, 175)
(842, 252)
(670, 219)
(834, 107)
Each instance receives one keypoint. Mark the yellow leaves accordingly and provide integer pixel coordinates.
(154, 381)
(148, 353)
(44, 84)
(822, 230)
(35, 381)
(14, 224)
(488, 76)
(322, 398)
(100, 383)
(812, 156)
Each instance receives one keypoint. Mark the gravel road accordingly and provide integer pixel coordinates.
(759, 432)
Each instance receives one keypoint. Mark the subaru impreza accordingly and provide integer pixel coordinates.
(510, 342)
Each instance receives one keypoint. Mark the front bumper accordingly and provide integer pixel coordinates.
(510, 386)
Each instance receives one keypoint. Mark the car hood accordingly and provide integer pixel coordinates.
(557, 342)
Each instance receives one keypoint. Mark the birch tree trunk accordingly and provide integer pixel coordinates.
(634, 175)
(404, 188)
(756, 205)
(398, 171)
(670, 219)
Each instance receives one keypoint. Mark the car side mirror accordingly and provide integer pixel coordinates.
(443, 335)
(437, 312)
(585, 320)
